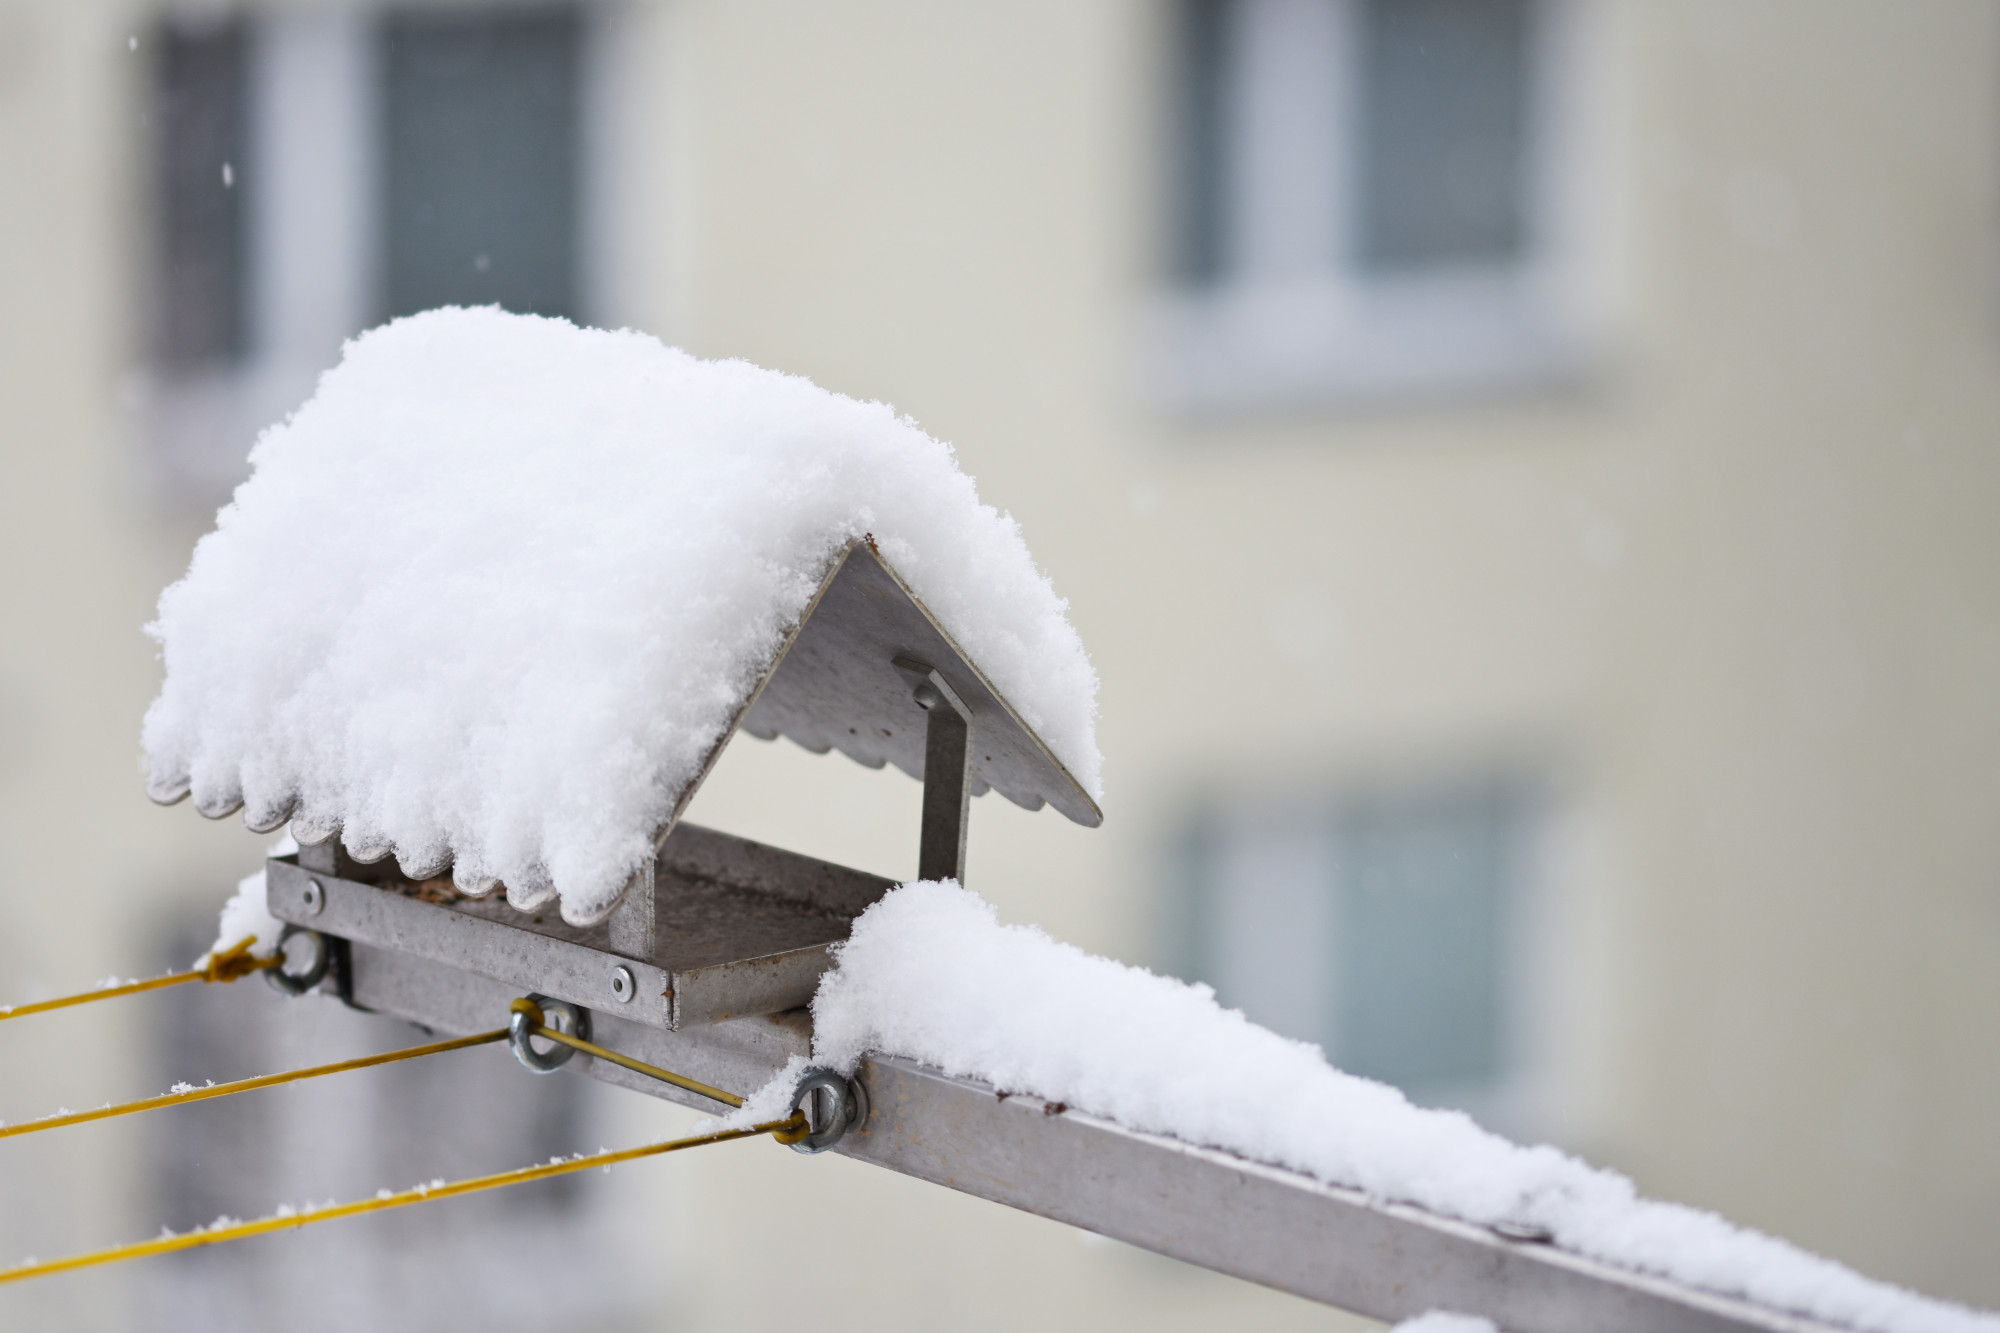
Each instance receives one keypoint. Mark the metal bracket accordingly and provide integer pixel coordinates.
(632, 926)
(947, 772)
(737, 927)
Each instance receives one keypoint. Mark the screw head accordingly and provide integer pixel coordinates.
(927, 696)
(623, 987)
(314, 898)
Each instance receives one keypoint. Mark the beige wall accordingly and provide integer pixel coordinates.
(1799, 708)
(1738, 592)
(79, 860)
(1735, 594)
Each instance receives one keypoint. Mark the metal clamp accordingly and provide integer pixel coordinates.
(560, 1015)
(832, 1105)
(298, 983)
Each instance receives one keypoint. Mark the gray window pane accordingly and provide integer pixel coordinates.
(1264, 910)
(1200, 207)
(1426, 887)
(198, 116)
(1443, 123)
(481, 122)
(1381, 927)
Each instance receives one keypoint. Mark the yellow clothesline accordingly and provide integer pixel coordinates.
(224, 965)
(236, 962)
(286, 1221)
(248, 1084)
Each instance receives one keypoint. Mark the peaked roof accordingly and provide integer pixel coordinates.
(495, 596)
(839, 682)
(835, 686)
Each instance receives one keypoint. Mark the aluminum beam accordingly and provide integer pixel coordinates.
(1284, 1230)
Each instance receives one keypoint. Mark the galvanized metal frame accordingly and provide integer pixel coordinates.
(751, 928)
(1385, 1260)
(454, 972)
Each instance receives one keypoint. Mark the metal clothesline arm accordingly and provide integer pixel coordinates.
(1275, 1227)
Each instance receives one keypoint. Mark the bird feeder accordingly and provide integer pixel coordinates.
(449, 444)
(720, 927)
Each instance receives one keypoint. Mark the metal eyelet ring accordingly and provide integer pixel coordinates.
(560, 1015)
(298, 983)
(844, 1104)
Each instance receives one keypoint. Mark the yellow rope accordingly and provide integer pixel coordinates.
(223, 965)
(535, 1016)
(249, 1084)
(235, 962)
(793, 1130)
(286, 1221)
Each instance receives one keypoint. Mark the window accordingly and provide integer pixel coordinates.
(481, 115)
(201, 94)
(1383, 927)
(1442, 128)
(319, 169)
(1371, 197)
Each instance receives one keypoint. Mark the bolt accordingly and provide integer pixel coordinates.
(314, 898)
(622, 985)
(928, 696)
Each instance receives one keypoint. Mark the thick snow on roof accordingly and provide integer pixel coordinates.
(930, 974)
(493, 594)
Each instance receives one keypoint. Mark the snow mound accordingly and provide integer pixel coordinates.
(246, 914)
(929, 973)
(492, 595)
(1444, 1321)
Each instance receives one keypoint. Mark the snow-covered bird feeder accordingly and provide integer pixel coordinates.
(493, 604)
(717, 926)
(485, 615)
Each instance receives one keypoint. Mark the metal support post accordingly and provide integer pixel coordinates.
(631, 924)
(947, 775)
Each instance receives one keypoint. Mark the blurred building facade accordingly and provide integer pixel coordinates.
(1521, 468)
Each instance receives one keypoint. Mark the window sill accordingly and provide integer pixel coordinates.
(1339, 344)
(196, 428)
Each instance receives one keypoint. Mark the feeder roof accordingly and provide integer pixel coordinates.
(498, 594)
(844, 681)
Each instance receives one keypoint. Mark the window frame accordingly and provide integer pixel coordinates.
(1329, 334)
(1542, 833)
(311, 196)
